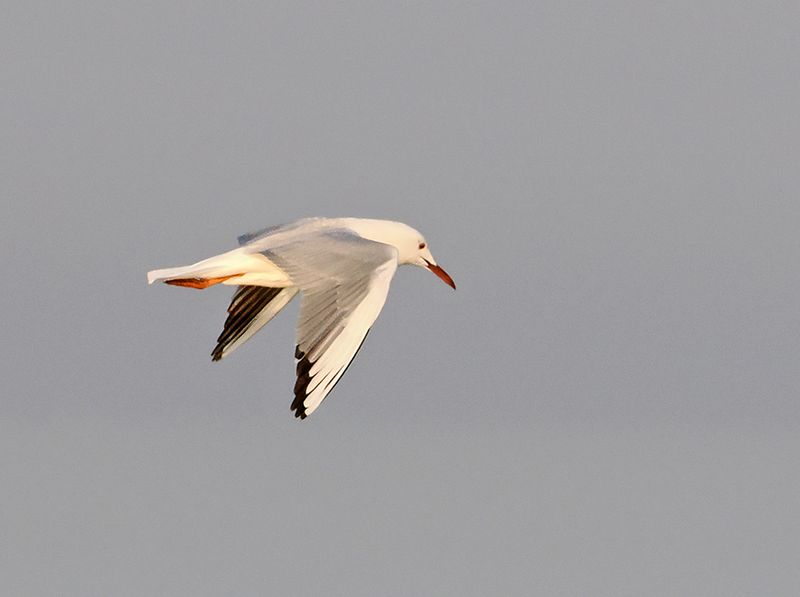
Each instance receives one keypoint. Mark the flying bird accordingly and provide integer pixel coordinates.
(341, 266)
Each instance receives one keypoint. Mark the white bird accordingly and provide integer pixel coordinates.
(342, 266)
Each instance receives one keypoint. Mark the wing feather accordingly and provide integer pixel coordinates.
(251, 308)
(344, 284)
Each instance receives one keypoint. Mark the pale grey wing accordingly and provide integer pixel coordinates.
(251, 236)
(344, 280)
(327, 341)
(276, 235)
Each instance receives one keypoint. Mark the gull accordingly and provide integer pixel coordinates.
(341, 266)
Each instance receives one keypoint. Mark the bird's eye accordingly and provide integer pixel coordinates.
(422, 246)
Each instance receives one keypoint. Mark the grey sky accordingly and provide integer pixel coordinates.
(606, 406)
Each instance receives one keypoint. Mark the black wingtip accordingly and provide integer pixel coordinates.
(300, 386)
(299, 412)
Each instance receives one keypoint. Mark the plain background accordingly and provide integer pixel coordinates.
(608, 405)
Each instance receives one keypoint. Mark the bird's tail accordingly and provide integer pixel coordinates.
(233, 267)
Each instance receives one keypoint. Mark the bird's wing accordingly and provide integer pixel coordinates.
(344, 280)
(245, 239)
(272, 236)
(251, 308)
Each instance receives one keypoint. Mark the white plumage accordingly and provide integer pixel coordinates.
(342, 267)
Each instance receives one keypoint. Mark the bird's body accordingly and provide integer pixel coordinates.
(341, 266)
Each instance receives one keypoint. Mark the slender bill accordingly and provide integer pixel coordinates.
(443, 275)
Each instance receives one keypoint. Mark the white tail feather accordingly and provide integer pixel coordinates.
(248, 268)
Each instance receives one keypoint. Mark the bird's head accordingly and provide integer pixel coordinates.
(412, 248)
(422, 258)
